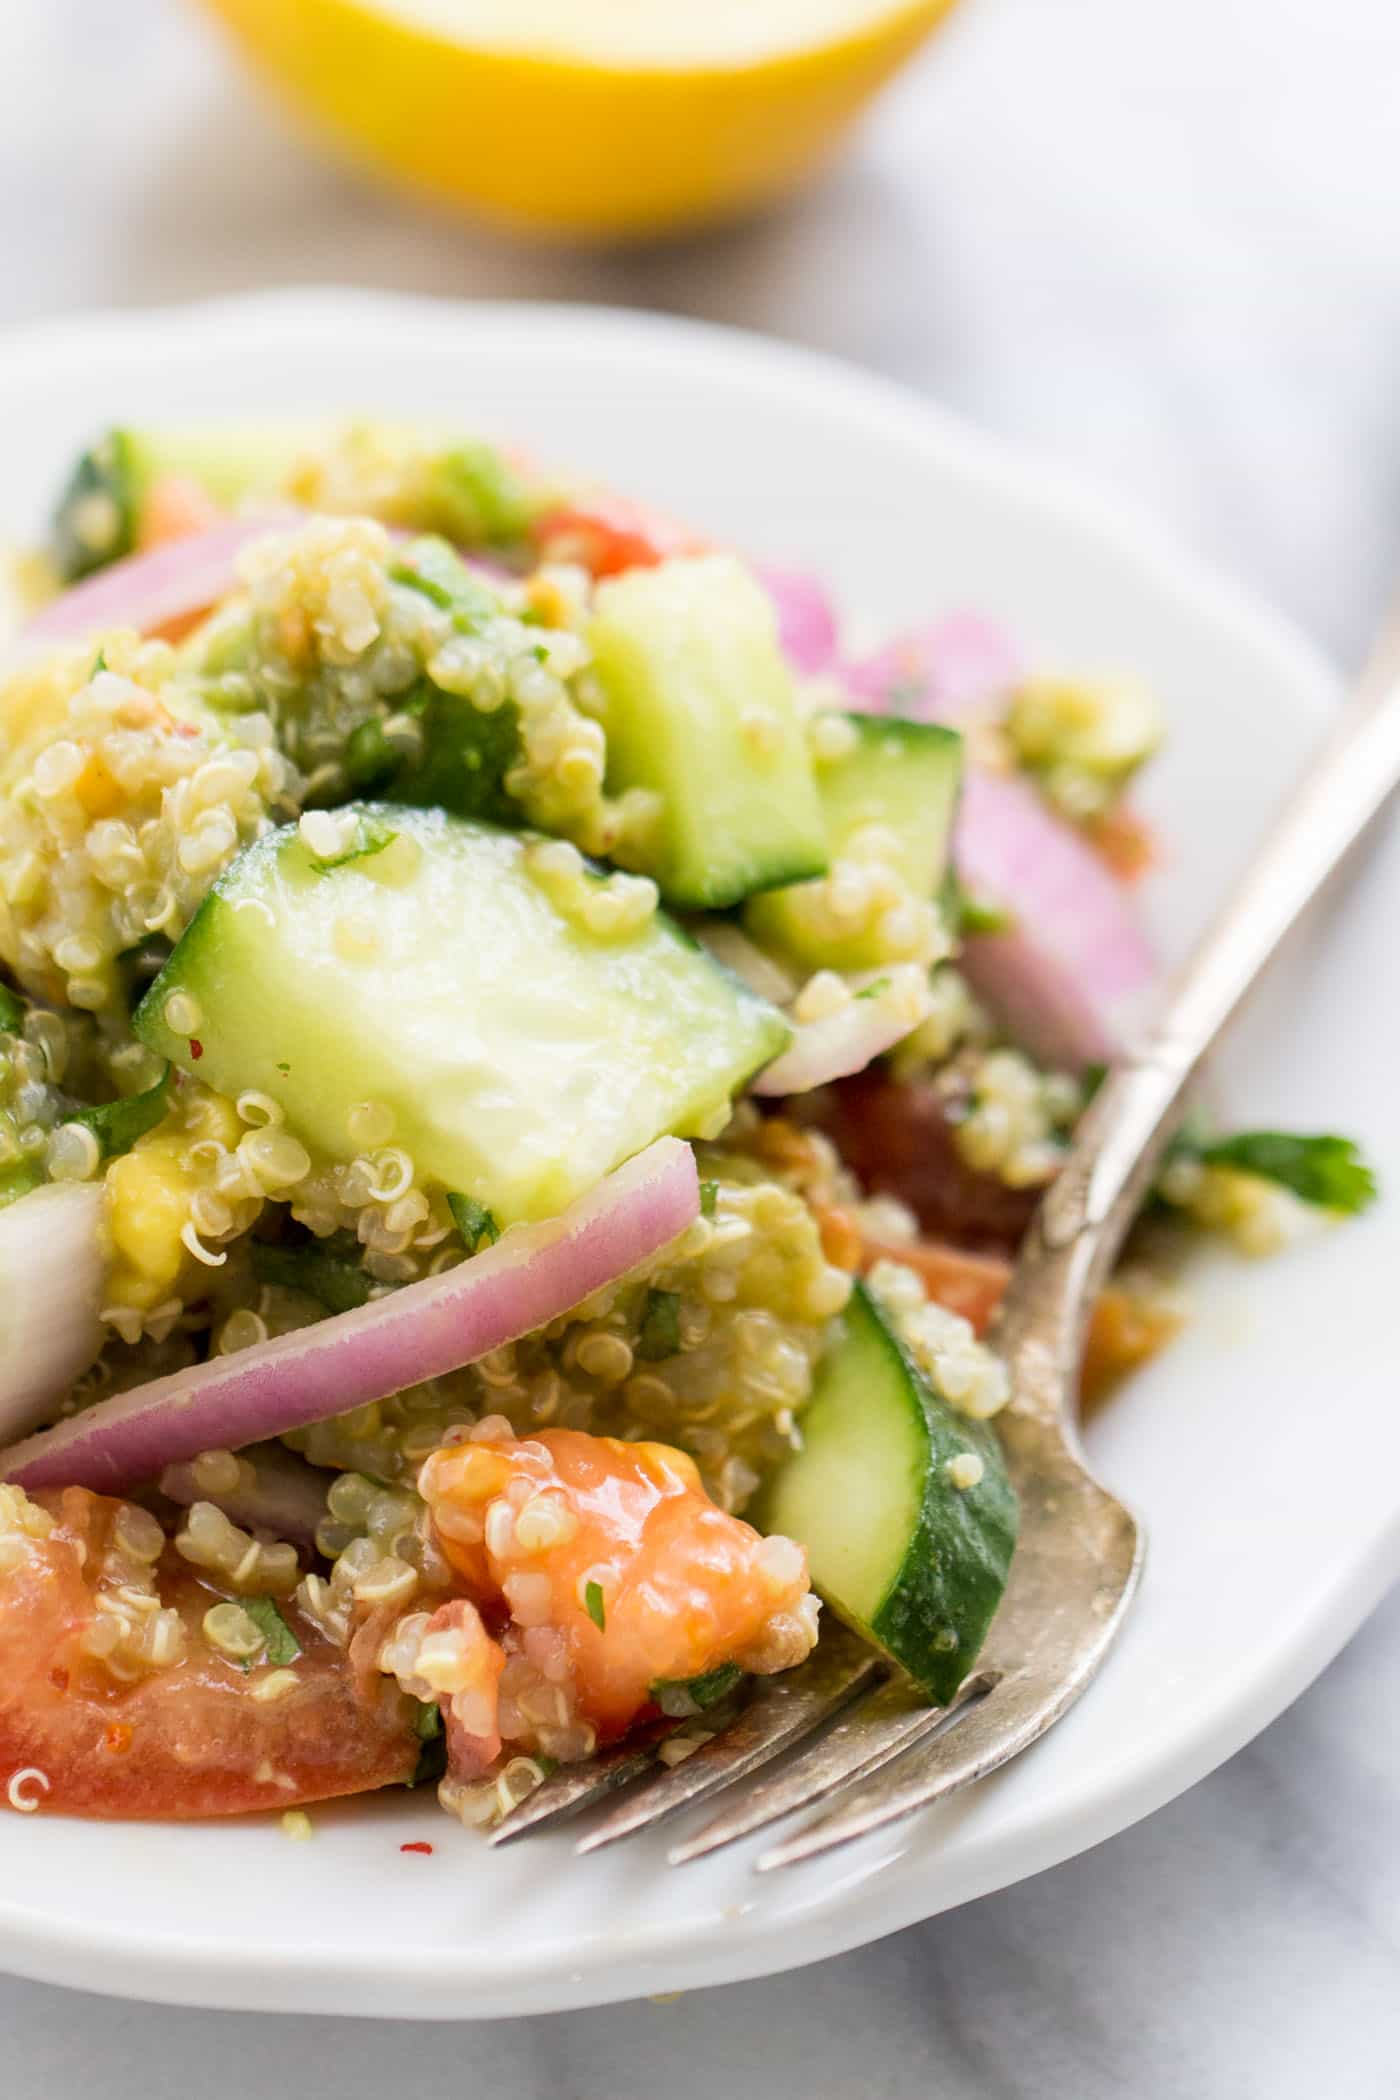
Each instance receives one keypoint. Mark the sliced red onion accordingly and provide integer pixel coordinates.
(886, 1005)
(939, 673)
(52, 1270)
(146, 591)
(806, 619)
(1063, 976)
(532, 1275)
(286, 1497)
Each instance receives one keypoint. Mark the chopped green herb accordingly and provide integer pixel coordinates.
(660, 1332)
(593, 1604)
(282, 1644)
(1326, 1171)
(474, 1221)
(117, 1124)
(481, 497)
(873, 991)
(369, 757)
(11, 1011)
(283, 1066)
(432, 1754)
(329, 1270)
(709, 1198)
(99, 663)
(18, 1180)
(431, 568)
(680, 1697)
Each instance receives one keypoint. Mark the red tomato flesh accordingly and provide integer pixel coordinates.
(193, 1739)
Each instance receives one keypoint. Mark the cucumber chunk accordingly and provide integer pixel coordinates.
(913, 1562)
(98, 516)
(426, 480)
(900, 776)
(699, 708)
(427, 970)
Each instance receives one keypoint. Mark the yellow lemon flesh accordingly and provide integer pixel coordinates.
(586, 118)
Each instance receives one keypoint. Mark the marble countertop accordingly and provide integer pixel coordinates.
(1157, 242)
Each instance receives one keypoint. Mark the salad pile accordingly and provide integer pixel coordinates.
(523, 1068)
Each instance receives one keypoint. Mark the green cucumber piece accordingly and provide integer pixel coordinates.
(699, 708)
(98, 518)
(521, 1057)
(914, 1563)
(903, 776)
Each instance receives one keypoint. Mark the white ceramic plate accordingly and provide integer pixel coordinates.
(1264, 1450)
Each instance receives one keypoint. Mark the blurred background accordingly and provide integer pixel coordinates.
(1159, 244)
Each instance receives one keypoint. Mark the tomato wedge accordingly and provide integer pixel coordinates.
(607, 535)
(86, 1736)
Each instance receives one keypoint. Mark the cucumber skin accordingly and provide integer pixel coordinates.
(122, 464)
(924, 765)
(954, 1568)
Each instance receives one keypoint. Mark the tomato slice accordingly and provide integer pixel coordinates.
(200, 1737)
(607, 535)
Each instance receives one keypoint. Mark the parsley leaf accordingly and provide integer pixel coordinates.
(474, 1221)
(282, 1644)
(660, 1332)
(329, 1270)
(680, 1697)
(432, 1755)
(593, 1604)
(117, 1124)
(11, 1011)
(873, 990)
(1326, 1171)
(709, 1198)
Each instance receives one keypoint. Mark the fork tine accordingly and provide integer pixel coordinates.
(573, 1788)
(781, 1711)
(880, 1727)
(973, 1738)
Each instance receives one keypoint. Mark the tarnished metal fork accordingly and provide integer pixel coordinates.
(868, 1736)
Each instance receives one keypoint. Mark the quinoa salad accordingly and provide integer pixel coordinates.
(525, 1060)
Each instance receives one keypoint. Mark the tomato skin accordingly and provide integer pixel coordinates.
(607, 534)
(189, 1740)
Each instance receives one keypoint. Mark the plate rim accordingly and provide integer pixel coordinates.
(189, 1971)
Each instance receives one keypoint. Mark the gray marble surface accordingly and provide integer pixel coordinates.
(1159, 242)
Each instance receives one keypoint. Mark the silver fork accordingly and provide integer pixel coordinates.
(882, 1749)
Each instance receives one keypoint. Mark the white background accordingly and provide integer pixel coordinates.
(1161, 242)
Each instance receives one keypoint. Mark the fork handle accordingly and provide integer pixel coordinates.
(1081, 1223)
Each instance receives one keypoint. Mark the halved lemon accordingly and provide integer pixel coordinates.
(600, 118)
